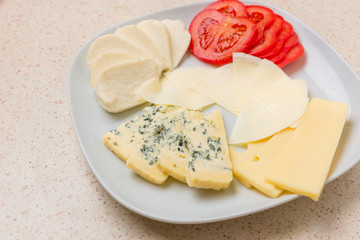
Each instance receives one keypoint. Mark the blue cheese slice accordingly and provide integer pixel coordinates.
(210, 165)
(164, 140)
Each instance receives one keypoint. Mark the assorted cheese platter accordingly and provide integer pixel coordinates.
(220, 111)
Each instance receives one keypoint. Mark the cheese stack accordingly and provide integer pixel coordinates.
(122, 62)
(166, 140)
(294, 160)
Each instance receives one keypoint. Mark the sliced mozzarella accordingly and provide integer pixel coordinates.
(159, 35)
(179, 40)
(111, 43)
(106, 60)
(117, 85)
(134, 35)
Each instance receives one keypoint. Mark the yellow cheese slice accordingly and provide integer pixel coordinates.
(111, 43)
(254, 164)
(210, 165)
(106, 60)
(304, 164)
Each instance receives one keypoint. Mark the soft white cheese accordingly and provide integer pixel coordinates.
(117, 85)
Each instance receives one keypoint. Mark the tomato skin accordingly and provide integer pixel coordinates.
(232, 8)
(214, 36)
(263, 18)
(269, 40)
(282, 36)
(289, 43)
(293, 54)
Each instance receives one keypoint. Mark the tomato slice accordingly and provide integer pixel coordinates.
(263, 18)
(269, 40)
(289, 43)
(293, 54)
(214, 36)
(231, 8)
(282, 36)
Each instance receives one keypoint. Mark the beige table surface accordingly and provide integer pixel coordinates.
(47, 188)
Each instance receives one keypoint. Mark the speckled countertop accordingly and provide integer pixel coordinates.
(47, 188)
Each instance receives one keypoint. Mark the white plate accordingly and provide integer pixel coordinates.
(326, 73)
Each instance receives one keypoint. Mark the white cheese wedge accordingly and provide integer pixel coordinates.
(303, 165)
(244, 68)
(217, 85)
(111, 43)
(106, 60)
(210, 165)
(159, 35)
(160, 92)
(268, 109)
(253, 165)
(175, 89)
(183, 79)
(179, 40)
(117, 85)
(135, 36)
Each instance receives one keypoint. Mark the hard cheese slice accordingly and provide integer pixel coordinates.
(268, 109)
(253, 165)
(304, 164)
(175, 89)
(210, 165)
(217, 86)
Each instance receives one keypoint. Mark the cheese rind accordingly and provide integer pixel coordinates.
(304, 164)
